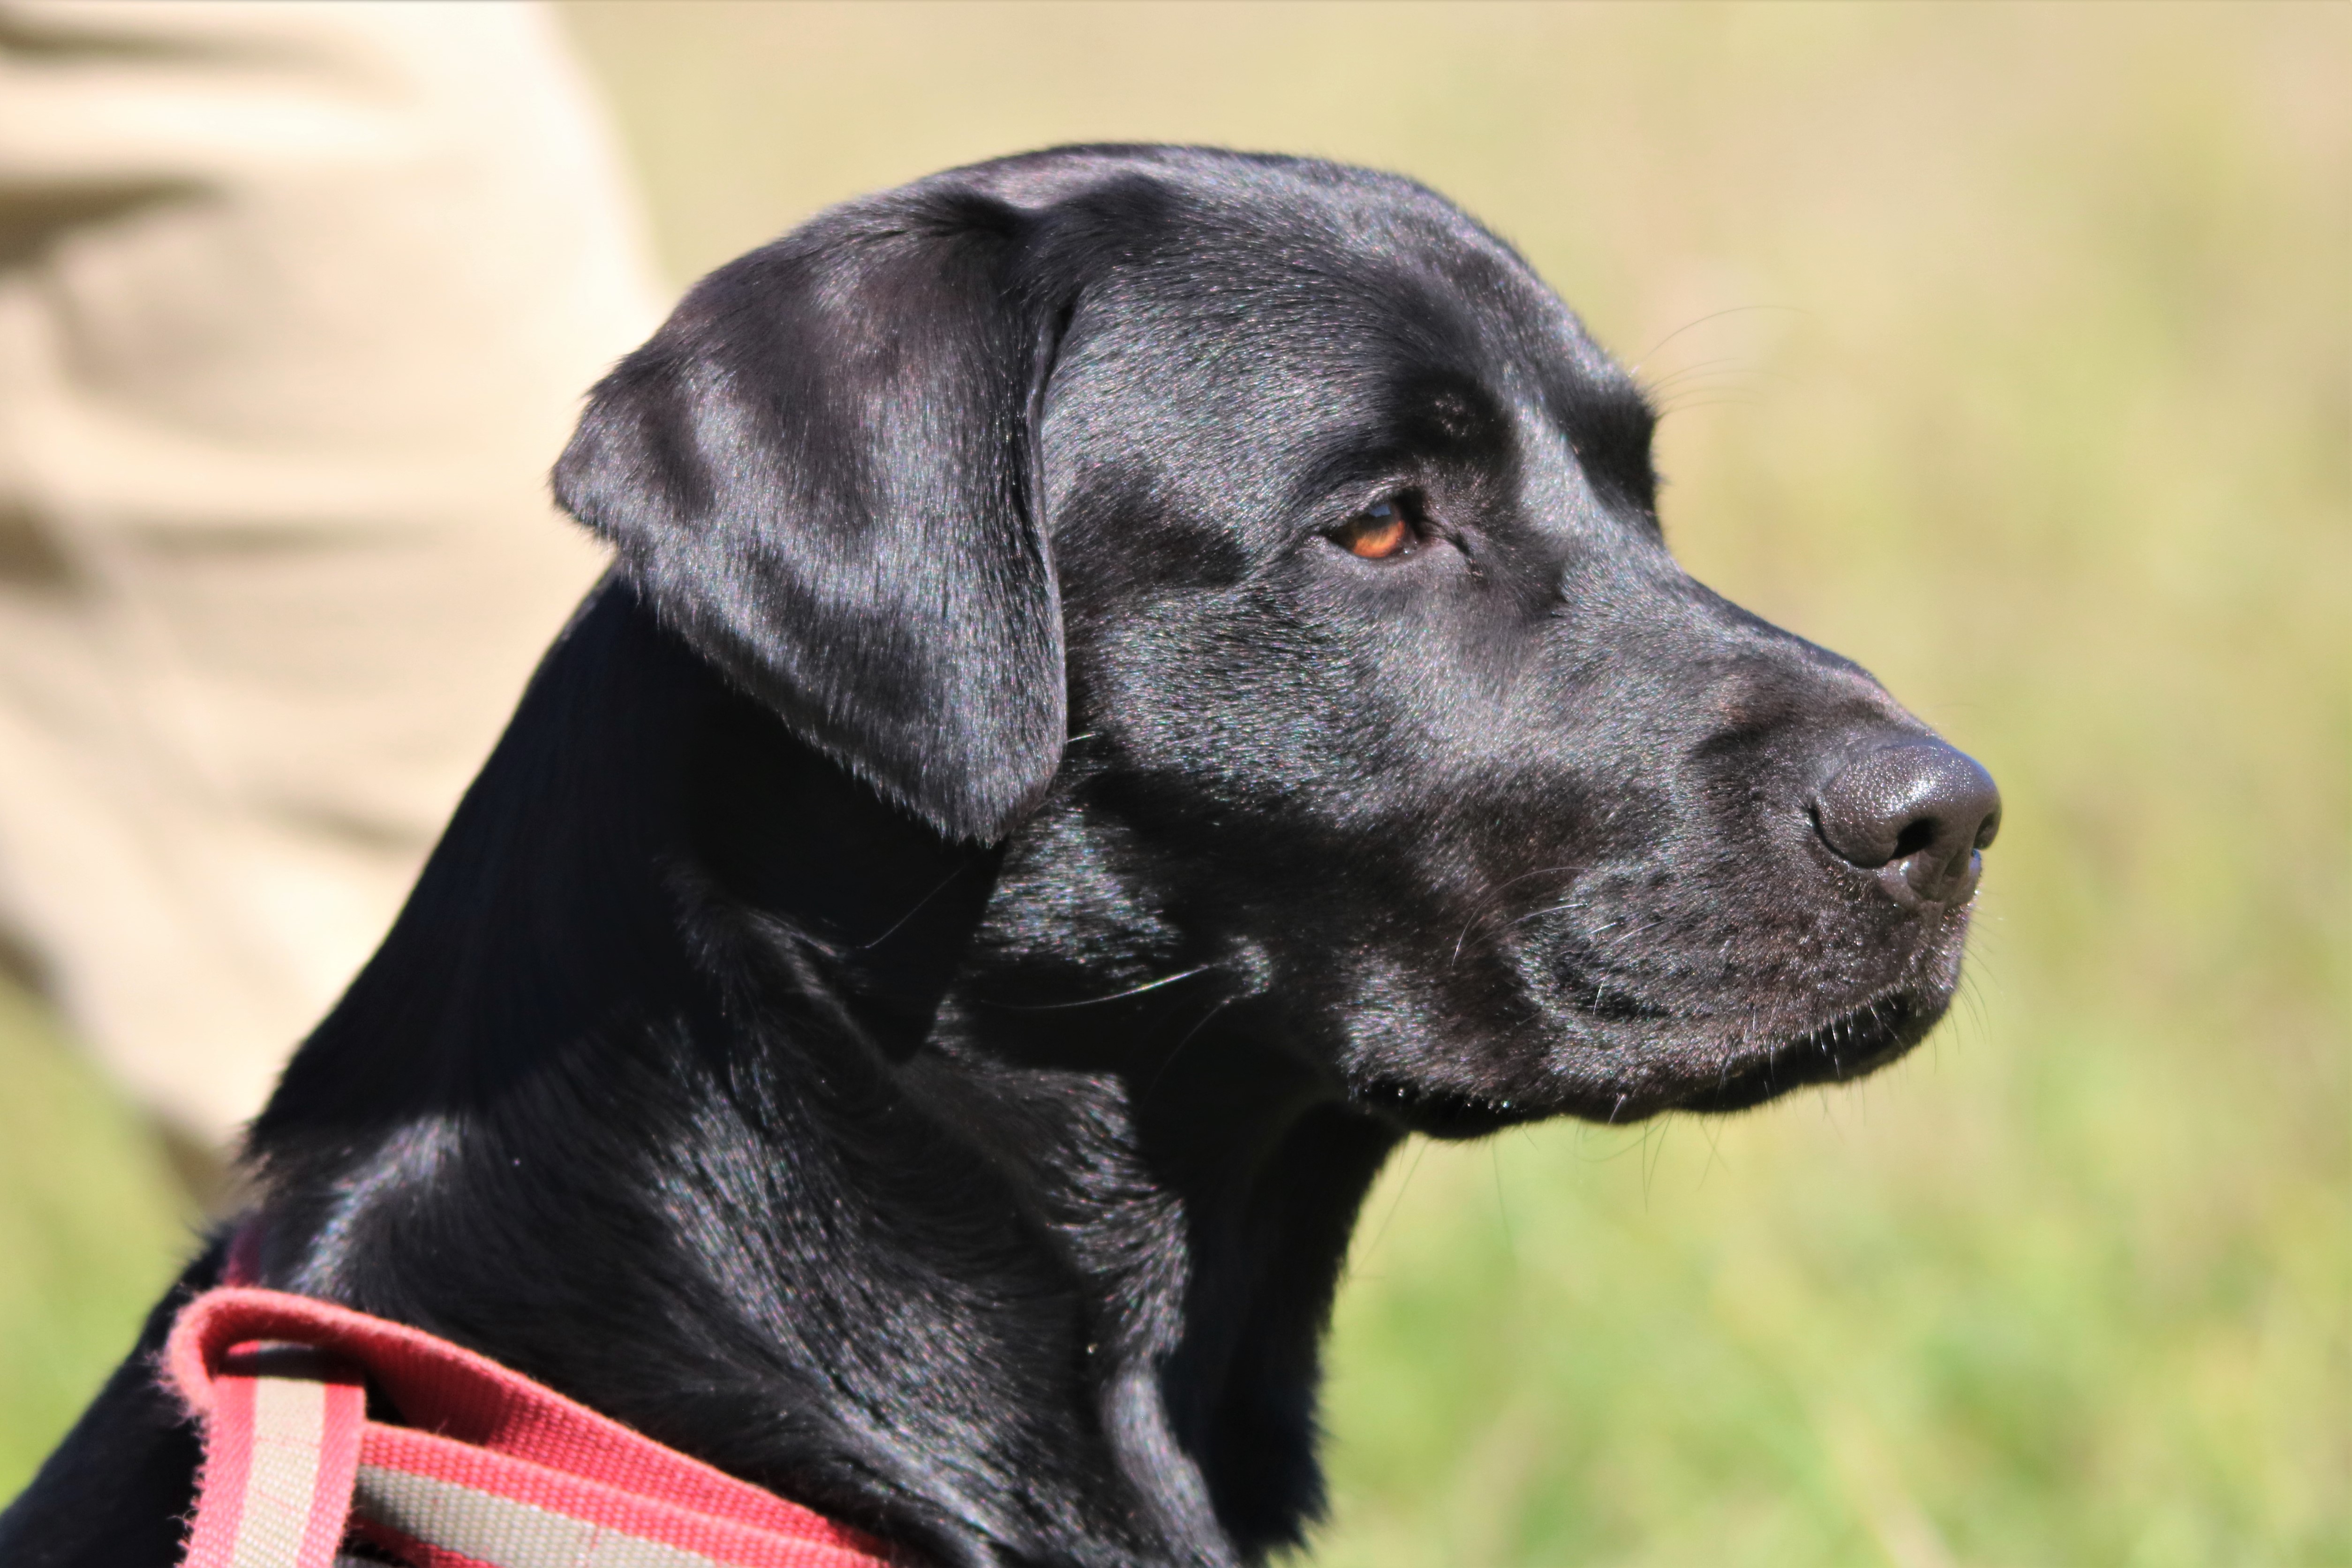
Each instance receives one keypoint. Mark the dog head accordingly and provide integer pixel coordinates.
(1261, 551)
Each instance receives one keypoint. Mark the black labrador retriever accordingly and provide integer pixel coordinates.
(1134, 680)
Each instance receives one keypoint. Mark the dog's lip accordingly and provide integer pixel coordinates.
(1859, 1040)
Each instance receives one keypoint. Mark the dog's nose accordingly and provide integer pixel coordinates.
(1915, 812)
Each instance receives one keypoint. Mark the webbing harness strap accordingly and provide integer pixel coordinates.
(491, 1469)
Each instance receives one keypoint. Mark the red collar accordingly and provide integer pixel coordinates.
(492, 1470)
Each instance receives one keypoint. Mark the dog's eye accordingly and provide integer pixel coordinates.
(1380, 532)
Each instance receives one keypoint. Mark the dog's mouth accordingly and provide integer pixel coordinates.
(1856, 1042)
(1707, 1076)
(1643, 1060)
(1722, 1017)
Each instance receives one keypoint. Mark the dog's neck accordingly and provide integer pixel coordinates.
(683, 1085)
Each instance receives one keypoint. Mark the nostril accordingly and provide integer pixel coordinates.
(1920, 807)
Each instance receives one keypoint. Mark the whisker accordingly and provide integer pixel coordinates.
(1684, 373)
(1094, 1001)
(1168, 1061)
(1695, 405)
(916, 908)
(1493, 896)
(1702, 321)
(1421, 1147)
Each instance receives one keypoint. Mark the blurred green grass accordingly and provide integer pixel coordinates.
(2007, 349)
(93, 1224)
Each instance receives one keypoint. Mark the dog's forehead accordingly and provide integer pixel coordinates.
(1327, 276)
(1272, 333)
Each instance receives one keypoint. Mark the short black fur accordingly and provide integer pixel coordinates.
(911, 1009)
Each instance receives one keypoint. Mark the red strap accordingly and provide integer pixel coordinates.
(492, 1470)
(281, 1449)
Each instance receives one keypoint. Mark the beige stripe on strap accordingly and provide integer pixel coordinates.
(290, 1421)
(500, 1531)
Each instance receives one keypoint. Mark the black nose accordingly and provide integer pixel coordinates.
(1915, 812)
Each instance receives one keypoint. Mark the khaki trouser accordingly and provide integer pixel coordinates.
(296, 305)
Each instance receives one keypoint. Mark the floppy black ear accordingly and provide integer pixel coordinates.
(818, 472)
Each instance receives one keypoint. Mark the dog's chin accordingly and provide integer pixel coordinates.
(1856, 1043)
(1697, 1071)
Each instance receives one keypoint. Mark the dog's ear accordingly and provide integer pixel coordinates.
(818, 472)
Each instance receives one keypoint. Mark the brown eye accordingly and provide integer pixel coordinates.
(1379, 533)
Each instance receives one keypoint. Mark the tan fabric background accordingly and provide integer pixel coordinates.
(296, 305)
